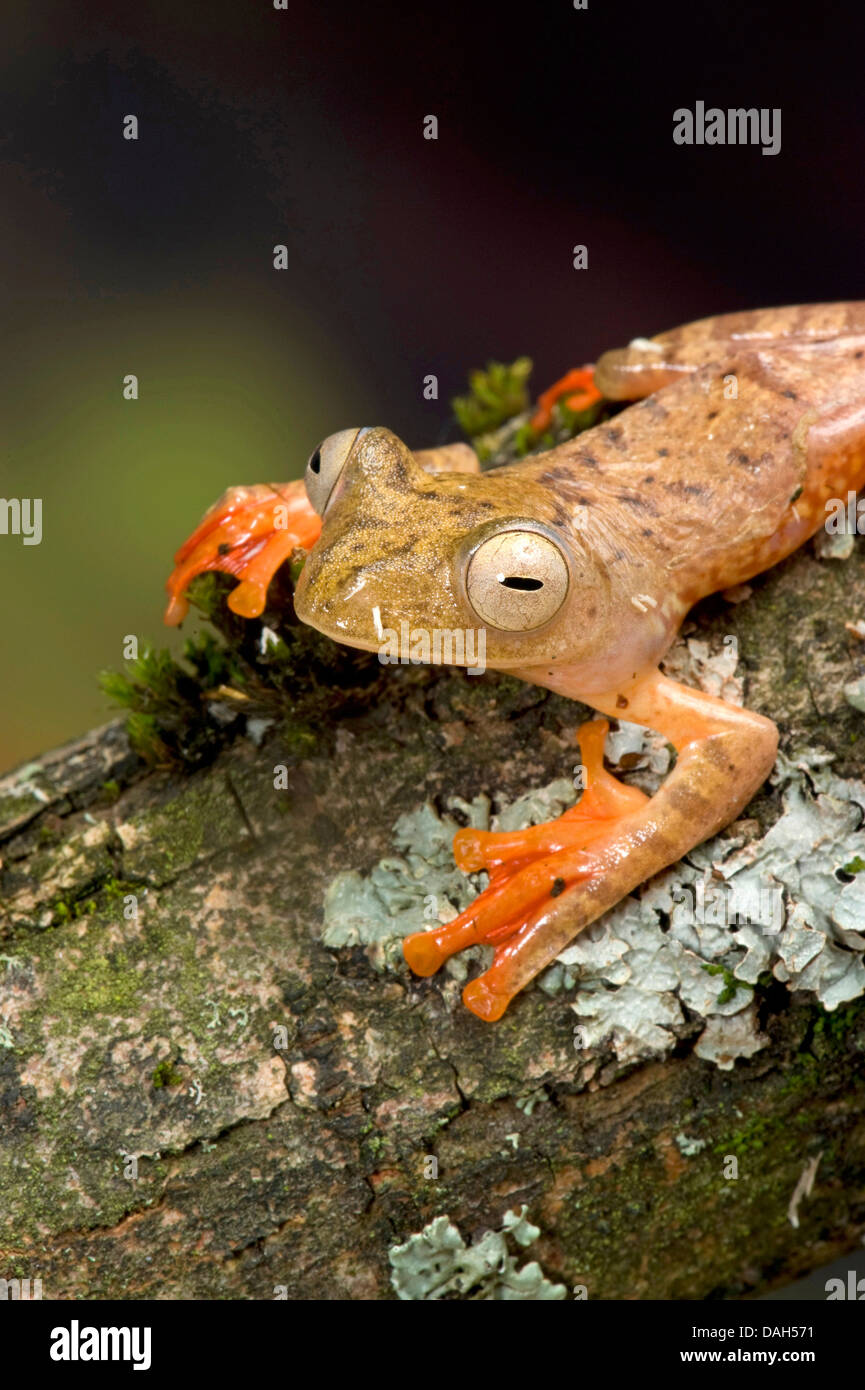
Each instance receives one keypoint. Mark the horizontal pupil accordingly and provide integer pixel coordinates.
(517, 581)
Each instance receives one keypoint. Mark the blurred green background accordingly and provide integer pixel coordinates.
(228, 393)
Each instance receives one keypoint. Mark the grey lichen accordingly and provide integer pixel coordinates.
(834, 545)
(689, 1147)
(703, 933)
(854, 693)
(420, 886)
(698, 937)
(437, 1263)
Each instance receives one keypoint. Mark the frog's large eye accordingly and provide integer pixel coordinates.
(325, 466)
(517, 580)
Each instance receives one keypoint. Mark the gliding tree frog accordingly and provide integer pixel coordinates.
(579, 565)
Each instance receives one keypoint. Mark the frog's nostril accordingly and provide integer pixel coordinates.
(315, 462)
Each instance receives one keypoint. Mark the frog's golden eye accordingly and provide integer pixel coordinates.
(325, 466)
(517, 580)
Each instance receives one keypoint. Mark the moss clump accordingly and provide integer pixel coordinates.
(70, 910)
(756, 1134)
(166, 701)
(832, 1029)
(494, 396)
(166, 1074)
(181, 713)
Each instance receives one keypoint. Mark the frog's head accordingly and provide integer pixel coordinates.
(444, 553)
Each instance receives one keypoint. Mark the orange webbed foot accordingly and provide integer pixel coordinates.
(615, 839)
(249, 532)
(528, 869)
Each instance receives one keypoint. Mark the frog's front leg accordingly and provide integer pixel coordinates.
(248, 533)
(723, 755)
(448, 458)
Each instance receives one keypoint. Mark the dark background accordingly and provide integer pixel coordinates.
(407, 256)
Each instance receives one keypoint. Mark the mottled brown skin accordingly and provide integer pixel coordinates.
(735, 466)
(745, 426)
(690, 491)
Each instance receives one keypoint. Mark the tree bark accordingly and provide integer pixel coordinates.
(162, 1138)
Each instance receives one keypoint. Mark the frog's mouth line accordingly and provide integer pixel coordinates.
(359, 643)
(441, 653)
(417, 646)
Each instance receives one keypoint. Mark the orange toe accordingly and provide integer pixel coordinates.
(528, 870)
(604, 800)
(423, 953)
(468, 849)
(484, 1002)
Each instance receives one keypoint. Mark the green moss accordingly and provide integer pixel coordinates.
(107, 985)
(731, 983)
(114, 888)
(827, 1040)
(494, 396)
(757, 1133)
(66, 912)
(167, 702)
(833, 1028)
(299, 737)
(166, 1074)
(109, 890)
(182, 713)
(565, 424)
(207, 593)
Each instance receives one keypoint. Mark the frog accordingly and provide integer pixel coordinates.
(725, 443)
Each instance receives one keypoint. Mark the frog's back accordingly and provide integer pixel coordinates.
(727, 467)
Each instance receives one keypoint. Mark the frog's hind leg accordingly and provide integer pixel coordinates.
(648, 364)
(249, 532)
(526, 867)
(724, 753)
